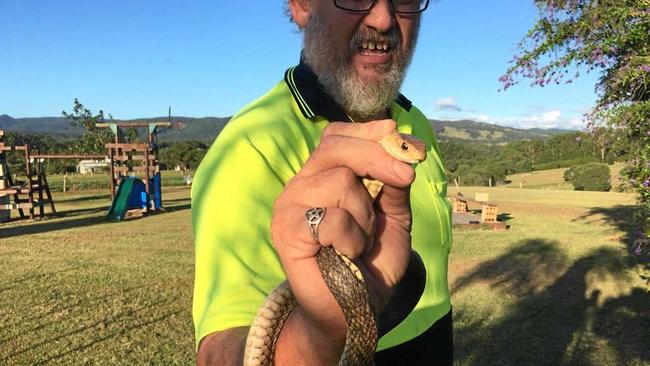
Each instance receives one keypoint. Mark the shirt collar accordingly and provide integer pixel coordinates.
(312, 98)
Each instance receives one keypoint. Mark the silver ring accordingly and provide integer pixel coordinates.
(314, 216)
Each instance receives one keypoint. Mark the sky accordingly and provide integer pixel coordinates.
(136, 58)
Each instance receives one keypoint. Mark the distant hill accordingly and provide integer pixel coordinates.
(471, 131)
(54, 126)
(207, 128)
(202, 129)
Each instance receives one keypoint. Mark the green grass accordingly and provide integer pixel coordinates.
(452, 132)
(554, 178)
(558, 288)
(98, 181)
(80, 290)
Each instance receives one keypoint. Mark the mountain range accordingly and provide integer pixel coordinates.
(205, 129)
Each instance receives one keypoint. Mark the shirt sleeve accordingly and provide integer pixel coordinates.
(236, 265)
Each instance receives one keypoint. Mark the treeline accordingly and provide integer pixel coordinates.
(471, 163)
(478, 164)
(185, 154)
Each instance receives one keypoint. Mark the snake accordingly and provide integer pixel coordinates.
(345, 281)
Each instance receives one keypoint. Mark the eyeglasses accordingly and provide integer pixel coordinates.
(398, 6)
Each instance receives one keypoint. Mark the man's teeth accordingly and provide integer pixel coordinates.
(373, 45)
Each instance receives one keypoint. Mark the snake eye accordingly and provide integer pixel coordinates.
(405, 146)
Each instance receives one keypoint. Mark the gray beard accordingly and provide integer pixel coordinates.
(361, 99)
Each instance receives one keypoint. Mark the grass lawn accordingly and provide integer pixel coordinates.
(79, 290)
(559, 287)
(554, 178)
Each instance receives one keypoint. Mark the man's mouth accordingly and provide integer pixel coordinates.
(374, 47)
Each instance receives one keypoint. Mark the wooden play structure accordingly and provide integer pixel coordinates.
(135, 184)
(33, 192)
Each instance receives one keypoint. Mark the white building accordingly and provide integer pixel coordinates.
(92, 166)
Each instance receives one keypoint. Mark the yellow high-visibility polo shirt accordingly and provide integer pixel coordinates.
(259, 150)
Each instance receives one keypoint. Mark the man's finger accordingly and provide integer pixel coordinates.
(337, 228)
(341, 231)
(394, 201)
(371, 131)
(364, 158)
(338, 187)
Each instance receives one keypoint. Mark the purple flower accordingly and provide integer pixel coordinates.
(637, 251)
(648, 133)
(646, 183)
(578, 138)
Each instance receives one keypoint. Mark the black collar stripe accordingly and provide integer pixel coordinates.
(404, 102)
(292, 80)
(312, 98)
(288, 78)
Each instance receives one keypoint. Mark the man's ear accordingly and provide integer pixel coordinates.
(299, 11)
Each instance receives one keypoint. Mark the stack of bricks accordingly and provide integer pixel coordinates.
(489, 213)
(460, 205)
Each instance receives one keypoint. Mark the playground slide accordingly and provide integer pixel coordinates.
(121, 202)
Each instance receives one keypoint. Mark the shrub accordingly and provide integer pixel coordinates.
(591, 177)
(568, 175)
(623, 181)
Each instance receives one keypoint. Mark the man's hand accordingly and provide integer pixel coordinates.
(376, 235)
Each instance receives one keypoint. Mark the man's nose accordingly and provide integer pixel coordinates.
(380, 17)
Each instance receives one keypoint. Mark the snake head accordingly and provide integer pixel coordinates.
(404, 147)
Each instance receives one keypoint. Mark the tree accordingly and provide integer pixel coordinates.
(589, 177)
(602, 138)
(94, 138)
(185, 154)
(609, 36)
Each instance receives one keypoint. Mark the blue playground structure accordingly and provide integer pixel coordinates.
(132, 195)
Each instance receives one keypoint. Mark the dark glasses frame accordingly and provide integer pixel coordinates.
(373, 2)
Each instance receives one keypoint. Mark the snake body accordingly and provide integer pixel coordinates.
(346, 283)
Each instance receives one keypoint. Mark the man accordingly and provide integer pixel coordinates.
(284, 154)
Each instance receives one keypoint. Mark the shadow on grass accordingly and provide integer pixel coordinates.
(135, 318)
(619, 216)
(558, 309)
(63, 306)
(6, 286)
(112, 336)
(55, 223)
(175, 200)
(81, 211)
(38, 227)
(82, 198)
(175, 208)
(504, 217)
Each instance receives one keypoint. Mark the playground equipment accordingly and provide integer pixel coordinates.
(34, 192)
(135, 183)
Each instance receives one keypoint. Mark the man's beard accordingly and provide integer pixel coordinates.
(361, 98)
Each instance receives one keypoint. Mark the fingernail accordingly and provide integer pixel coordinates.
(403, 170)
